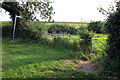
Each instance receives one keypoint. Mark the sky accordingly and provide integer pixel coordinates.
(74, 10)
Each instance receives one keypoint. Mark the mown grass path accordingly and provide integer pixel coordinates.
(32, 60)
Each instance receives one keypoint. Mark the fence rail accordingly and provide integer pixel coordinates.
(62, 34)
(69, 36)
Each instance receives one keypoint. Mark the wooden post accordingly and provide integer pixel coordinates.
(13, 37)
(91, 45)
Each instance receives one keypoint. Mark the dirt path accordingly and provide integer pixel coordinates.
(86, 66)
(1, 69)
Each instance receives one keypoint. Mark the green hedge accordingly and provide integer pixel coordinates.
(7, 29)
(97, 26)
(62, 29)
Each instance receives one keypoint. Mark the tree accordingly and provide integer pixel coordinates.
(112, 62)
(113, 28)
(28, 10)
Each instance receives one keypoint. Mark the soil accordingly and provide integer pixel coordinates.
(86, 66)
(1, 69)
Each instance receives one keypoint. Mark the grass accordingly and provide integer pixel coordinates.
(100, 43)
(76, 25)
(23, 59)
(30, 60)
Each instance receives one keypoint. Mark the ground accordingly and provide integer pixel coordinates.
(26, 59)
(86, 66)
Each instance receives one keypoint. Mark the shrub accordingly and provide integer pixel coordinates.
(85, 43)
(83, 28)
(113, 49)
(29, 30)
(76, 45)
(7, 29)
(62, 29)
(111, 67)
(98, 27)
(113, 28)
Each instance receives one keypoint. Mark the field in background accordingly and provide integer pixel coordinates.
(75, 24)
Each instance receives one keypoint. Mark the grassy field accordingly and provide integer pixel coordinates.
(30, 60)
(76, 25)
(25, 59)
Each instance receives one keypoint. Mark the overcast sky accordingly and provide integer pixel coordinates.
(75, 10)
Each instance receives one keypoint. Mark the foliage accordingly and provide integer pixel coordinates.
(97, 26)
(83, 28)
(113, 50)
(62, 29)
(99, 43)
(113, 28)
(28, 9)
(85, 35)
(76, 45)
(28, 12)
(6, 29)
(111, 67)
(110, 10)
(30, 30)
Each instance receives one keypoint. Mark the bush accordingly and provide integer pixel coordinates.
(98, 27)
(7, 29)
(76, 45)
(84, 44)
(111, 67)
(29, 30)
(62, 29)
(25, 30)
(113, 28)
(113, 49)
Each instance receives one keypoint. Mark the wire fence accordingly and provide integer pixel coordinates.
(72, 37)
(69, 37)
